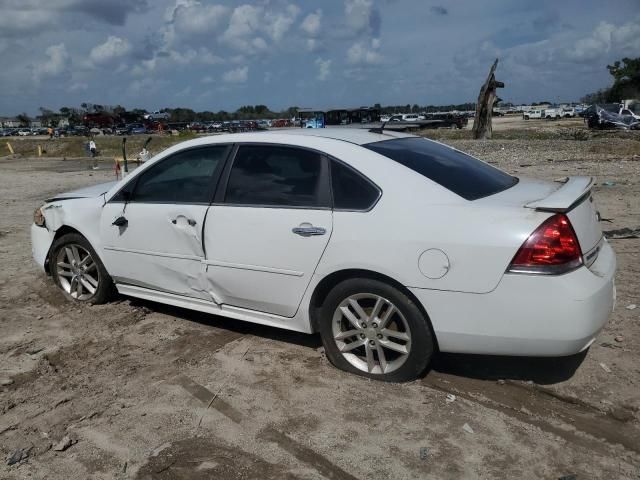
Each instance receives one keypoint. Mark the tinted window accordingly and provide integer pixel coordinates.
(350, 190)
(456, 171)
(186, 177)
(280, 176)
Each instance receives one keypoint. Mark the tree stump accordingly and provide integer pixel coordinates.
(484, 108)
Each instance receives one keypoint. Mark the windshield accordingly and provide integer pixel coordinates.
(458, 172)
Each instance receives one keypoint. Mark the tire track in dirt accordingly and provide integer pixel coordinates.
(544, 408)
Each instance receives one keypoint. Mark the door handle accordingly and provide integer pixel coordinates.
(190, 221)
(309, 231)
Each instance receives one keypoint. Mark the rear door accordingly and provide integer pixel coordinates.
(159, 245)
(268, 228)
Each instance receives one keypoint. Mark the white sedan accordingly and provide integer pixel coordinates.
(389, 245)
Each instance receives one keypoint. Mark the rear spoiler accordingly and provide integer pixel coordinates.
(573, 191)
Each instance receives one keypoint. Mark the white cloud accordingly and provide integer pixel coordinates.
(113, 48)
(605, 38)
(237, 75)
(259, 44)
(245, 20)
(361, 54)
(324, 68)
(248, 21)
(195, 18)
(312, 23)
(56, 63)
(277, 24)
(362, 17)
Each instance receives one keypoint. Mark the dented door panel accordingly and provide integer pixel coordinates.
(160, 247)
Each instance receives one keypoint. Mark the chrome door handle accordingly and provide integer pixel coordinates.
(308, 231)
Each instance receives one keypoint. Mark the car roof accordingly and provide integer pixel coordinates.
(359, 136)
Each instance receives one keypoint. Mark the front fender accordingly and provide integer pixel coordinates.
(80, 214)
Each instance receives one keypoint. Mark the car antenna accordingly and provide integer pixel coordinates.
(379, 130)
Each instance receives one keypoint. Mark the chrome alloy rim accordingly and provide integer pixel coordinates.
(371, 333)
(77, 272)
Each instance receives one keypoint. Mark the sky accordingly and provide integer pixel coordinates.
(220, 55)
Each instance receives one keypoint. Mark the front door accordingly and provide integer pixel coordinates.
(266, 235)
(158, 242)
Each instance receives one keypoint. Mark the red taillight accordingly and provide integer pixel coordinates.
(552, 248)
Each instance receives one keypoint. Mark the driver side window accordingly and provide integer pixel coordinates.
(186, 177)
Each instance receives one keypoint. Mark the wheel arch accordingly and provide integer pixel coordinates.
(325, 285)
(60, 232)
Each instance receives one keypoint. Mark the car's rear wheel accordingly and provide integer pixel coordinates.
(373, 329)
(78, 271)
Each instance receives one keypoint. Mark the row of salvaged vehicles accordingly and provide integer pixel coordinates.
(623, 115)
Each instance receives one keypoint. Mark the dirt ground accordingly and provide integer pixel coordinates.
(146, 391)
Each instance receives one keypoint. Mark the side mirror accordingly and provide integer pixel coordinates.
(120, 222)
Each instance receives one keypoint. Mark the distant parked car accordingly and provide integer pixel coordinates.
(568, 112)
(137, 129)
(410, 117)
(449, 120)
(552, 113)
(314, 123)
(121, 129)
(533, 114)
(157, 116)
(24, 132)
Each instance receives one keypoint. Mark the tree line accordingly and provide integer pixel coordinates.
(626, 83)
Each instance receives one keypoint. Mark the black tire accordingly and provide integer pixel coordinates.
(105, 288)
(422, 344)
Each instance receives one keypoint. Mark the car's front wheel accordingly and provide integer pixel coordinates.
(78, 271)
(373, 329)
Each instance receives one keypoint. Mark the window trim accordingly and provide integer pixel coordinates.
(326, 196)
(215, 177)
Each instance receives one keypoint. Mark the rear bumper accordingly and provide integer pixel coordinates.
(532, 315)
(41, 240)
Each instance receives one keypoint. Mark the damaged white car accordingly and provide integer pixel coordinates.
(389, 245)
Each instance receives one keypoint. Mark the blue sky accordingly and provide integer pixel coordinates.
(213, 55)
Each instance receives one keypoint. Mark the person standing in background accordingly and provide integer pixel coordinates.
(92, 149)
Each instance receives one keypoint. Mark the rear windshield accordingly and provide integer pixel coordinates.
(456, 171)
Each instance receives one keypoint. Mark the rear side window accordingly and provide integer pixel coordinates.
(350, 190)
(185, 177)
(456, 171)
(276, 176)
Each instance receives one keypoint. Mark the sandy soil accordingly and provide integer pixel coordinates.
(148, 391)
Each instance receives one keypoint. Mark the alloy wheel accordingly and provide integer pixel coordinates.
(371, 333)
(77, 272)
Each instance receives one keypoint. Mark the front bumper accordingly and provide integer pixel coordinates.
(41, 240)
(532, 315)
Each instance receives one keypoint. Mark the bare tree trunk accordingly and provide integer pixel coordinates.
(484, 108)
